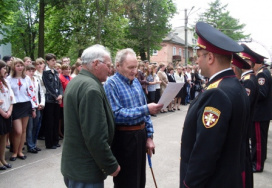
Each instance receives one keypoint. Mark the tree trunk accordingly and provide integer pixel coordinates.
(41, 30)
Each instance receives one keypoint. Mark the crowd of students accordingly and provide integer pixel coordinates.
(31, 103)
(154, 79)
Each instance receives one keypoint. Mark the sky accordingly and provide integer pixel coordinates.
(257, 16)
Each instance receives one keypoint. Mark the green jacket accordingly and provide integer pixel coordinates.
(88, 131)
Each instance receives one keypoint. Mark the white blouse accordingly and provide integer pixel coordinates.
(37, 88)
(23, 90)
(7, 96)
(39, 75)
(157, 79)
(179, 79)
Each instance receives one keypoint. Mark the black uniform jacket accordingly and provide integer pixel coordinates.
(263, 108)
(53, 85)
(250, 82)
(212, 135)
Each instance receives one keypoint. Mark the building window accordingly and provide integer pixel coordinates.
(194, 41)
(174, 50)
(155, 52)
(180, 51)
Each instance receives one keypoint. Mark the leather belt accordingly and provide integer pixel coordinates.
(131, 127)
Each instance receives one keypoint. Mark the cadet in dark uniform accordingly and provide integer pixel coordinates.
(263, 111)
(214, 127)
(243, 71)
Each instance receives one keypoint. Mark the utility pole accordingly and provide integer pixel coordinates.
(186, 42)
(186, 37)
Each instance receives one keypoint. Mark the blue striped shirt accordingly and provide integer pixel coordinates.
(128, 101)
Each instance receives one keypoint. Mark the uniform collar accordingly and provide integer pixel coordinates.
(221, 74)
(247, 72)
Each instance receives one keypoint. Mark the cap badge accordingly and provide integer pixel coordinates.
(261, 81)
(210, 117)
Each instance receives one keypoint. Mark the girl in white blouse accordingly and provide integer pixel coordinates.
(6, 104)
(25, 106)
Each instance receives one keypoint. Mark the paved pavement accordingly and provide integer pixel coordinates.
(43, 169)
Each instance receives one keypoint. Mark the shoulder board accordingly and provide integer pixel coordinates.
(260, 71)
(247, 77)
(215, 84)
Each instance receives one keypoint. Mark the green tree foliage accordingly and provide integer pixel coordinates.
(6, 18)
(83, 23)
(72, 25)
(149, 23)
(24, 29)
(219, 17)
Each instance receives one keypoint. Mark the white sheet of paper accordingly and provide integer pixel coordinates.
(170, 93)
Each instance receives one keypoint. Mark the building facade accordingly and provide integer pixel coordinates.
(173, 48)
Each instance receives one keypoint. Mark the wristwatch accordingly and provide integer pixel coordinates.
(34, 110)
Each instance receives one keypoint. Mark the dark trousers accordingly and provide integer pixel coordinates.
(129, 148)
(51, 123)
(259, 144)
(157, 95)
(151, 96)
(41, 131)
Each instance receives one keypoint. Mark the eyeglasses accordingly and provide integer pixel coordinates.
(198, 56)
(108, 65)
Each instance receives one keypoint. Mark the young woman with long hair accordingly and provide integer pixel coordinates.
(6, 105)
(25, 106)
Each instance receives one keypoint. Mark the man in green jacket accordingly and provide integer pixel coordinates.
(89, 124)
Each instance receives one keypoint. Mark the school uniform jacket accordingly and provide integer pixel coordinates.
(212, 135)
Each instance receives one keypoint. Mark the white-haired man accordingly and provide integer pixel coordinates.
(89, 124)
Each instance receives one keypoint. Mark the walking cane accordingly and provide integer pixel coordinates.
(150, 165)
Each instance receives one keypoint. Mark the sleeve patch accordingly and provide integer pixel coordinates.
(261, 81)
(248, 91)
(210, 117)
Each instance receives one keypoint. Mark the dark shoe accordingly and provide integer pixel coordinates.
(178, 108)
(8, 146)
(153, 115)
(53, 147)
(8, 165)
(171, 111)
(32, 150)
(22, 157)
(37, 149)
(12, 158)
(58, 145)
(41, 138)
(3, 168)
